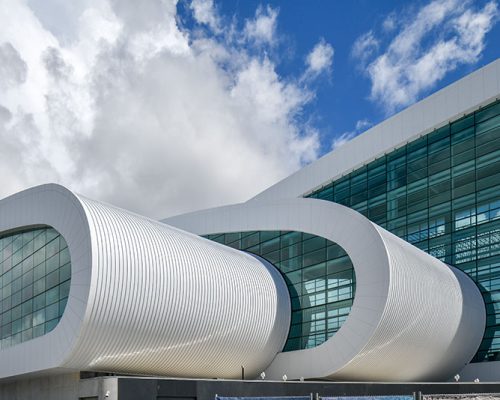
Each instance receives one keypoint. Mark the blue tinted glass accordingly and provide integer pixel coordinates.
(319, 275)
(34, 284)
(442, 195)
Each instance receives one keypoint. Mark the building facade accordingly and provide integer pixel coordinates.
(430, 175)
(378, 262)
(441, 193)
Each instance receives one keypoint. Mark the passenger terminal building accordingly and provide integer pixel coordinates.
(378, 262)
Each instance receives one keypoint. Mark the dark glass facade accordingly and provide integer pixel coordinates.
(441, 193)
(35, 277)
(319, 275)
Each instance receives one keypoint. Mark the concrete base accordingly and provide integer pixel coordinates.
(60, 387)
(71, 387)
(485, 371)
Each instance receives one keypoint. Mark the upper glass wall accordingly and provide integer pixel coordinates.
(441, 193)
(35, 276)
(319, 275)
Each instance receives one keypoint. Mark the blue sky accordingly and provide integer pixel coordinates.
(165, 106)
(344, 99)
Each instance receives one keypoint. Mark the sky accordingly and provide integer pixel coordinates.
(164, 107)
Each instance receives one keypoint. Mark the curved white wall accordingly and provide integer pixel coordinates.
(413, 318)
(147, 298)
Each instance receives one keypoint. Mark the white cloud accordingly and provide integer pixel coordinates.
(262, 29)
(12, 67)
(364, 47)
(129, 109)
(204, 13)
(390, 23)
(361, 126)
(5, 115)
(442, 35)
(320, 59)
(342, 139)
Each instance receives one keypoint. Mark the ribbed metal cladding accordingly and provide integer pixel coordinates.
(431, 316)
(163, 301)
(413, 317)
(147, 298)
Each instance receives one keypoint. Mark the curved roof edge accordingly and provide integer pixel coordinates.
(400, 312)
(56, 206)
(148, 298)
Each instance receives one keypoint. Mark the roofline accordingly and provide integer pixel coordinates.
(446, 105)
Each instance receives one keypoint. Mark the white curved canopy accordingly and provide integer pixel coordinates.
(146, 298)
(413, 318)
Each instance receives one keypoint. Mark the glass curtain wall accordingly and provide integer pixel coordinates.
(319, 275)
(35, 277)
(441, 193)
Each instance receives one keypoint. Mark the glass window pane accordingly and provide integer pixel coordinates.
(35, 274)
